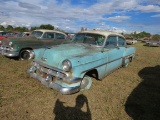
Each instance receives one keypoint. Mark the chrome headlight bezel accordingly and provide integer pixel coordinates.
(10, 44)
(67, 65)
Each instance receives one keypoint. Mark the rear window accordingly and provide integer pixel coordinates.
(37, 33)
(121, 41)
(60, 36)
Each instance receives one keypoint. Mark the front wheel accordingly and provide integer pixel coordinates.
(26, 55)
(86, 83)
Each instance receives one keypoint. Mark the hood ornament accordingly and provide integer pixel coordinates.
(47, 47)
(44, 59)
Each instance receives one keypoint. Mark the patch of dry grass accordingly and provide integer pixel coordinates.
(128, 93)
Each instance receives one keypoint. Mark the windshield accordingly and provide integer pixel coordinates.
(6, 34)
(36, 34)
(89, 38)
(20, 34)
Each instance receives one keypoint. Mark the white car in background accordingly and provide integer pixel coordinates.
(131, 41)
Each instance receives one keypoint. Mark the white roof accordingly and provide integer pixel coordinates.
(101, 32)
(45, 30)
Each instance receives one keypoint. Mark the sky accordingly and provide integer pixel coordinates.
(120, 16)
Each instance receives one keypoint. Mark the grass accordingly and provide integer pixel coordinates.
(128, 93)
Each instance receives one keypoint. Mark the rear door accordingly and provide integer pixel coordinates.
(53, 38)
(48, 38)
(60, 38)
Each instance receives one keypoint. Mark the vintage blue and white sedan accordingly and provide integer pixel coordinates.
(69, 68)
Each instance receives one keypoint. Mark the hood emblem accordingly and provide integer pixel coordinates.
(44, 59)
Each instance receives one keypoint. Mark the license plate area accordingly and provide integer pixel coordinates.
(44, 75)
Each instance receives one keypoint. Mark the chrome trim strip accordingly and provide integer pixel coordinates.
(108, 62)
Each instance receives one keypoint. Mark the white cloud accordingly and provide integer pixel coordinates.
(153, 2)
(4, 23)
(149, 8)
(158, 15)
(118, 18)
(69, 17)
(29, 6)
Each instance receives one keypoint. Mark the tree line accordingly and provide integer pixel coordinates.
(142, 35)
(25, 29)
(134, 35)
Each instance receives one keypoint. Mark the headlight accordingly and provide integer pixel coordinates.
(10, 43)
(66, 65)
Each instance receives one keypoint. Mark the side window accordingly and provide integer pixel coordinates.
(48, 35)
(121, 41)
(111, 41)
(60, 36)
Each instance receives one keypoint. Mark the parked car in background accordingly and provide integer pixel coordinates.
(68, 68)
(131, 41)
(153, 43)
(144, 40)
(22, 46)
(22, 34)
(71, 35)
(4, 35)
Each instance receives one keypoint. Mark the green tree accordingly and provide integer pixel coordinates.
(48, 26)
(34, 28)
(9, 28)
(144, 34)
(21, 29)
(2, 28)
(156, 37)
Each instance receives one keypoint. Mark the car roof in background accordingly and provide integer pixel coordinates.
(45, 30)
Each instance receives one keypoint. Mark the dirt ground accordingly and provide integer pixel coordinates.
(126, 94)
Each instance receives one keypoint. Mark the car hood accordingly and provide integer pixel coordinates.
(74, 52)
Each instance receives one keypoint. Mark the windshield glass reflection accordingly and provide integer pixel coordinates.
(88, 38)
(36, 34)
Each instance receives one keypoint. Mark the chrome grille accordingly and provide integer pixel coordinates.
(48, 71)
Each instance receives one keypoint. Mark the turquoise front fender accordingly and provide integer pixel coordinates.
(94, 61)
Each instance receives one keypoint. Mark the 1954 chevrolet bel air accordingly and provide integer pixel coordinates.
(68, 68)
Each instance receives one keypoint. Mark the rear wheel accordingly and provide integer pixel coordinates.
(126, 62)
(25, 55)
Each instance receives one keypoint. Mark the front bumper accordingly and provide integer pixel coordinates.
(55, 86)
(9, 52)
(55, 78)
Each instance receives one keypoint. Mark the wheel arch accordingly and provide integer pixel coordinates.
(92, 73)
(26, 48)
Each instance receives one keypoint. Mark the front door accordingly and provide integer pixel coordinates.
(115, 54)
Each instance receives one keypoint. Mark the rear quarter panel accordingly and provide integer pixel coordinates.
(129, 51)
